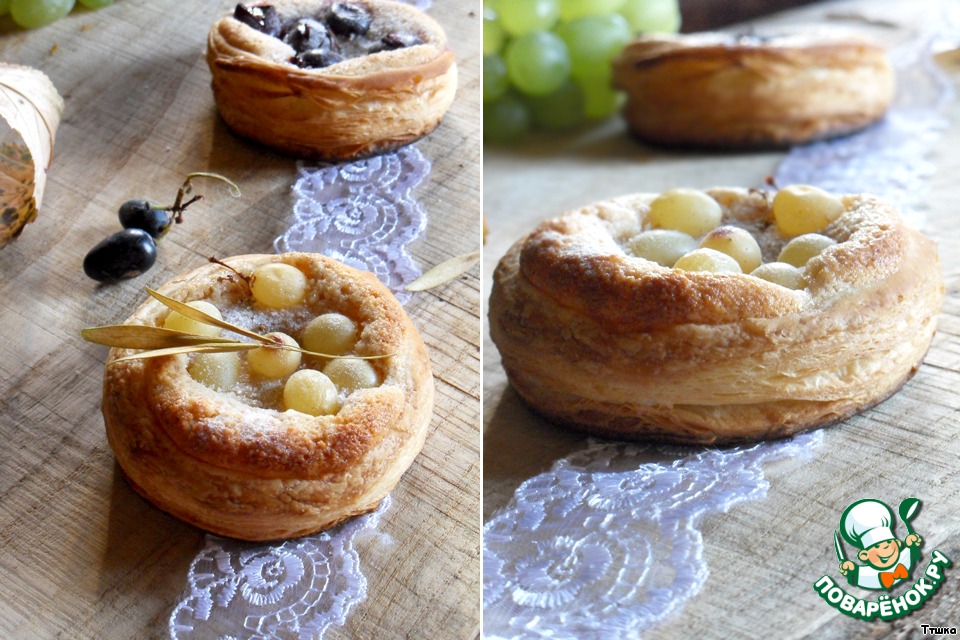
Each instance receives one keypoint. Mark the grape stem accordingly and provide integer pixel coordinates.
(178, 206)
(243, 277)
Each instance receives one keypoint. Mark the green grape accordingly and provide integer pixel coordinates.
(689, 210)
(593, 42)
(4, 7)
(652, 16)
(31, 14)
(518, 17)
(537, 63)
(505, 120)
(493, 35)
(495, 81)
(575, 9)
(800, 209)
(560, 110)
(602, 100)
(95, 4)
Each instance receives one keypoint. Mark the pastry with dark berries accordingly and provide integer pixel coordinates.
(331, 80)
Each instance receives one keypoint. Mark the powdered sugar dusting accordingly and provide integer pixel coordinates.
(262, 320)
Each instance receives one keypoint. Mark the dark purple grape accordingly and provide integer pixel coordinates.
(393, 41)
(262, 17)
(349, 19)
(139, 214)
(317, 58)
(307, 34)
(125, 254)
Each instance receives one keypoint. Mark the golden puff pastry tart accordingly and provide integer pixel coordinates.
(269, 443)
(331, 80)
(715, 316)
(718, 90)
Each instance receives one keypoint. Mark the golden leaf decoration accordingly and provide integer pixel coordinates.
(195, 314)
(31, 106)
(221, 347)
(159, 341)
(346, 356)
(138, 336)
(445, 272)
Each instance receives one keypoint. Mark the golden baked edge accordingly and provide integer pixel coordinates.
(720, 379)
(260, 475)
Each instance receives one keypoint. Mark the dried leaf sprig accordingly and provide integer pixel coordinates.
(32, 108)
(445, 272)
(158, 341)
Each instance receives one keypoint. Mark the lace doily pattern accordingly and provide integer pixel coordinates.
(295, 590)
(363, 214)
(606, 544)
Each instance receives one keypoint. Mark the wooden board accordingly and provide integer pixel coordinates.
(81, 555)
(764, 555)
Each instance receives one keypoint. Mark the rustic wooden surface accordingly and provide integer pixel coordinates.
(81, 555)
(763, 555)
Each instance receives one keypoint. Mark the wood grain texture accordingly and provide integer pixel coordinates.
(763, 555)
(81, 555)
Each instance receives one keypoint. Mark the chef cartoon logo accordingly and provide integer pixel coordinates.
(887, 560)
(881, 562)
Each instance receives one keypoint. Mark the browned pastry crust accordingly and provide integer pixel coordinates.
(253, 473)
(721, 91)
(618, 345)
(353, 109)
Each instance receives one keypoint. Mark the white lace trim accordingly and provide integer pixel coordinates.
(292, 590)
(362, 214)
(605, 544)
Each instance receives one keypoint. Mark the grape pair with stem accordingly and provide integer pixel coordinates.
(133, 251)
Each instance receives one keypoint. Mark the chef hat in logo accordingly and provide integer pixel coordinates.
(867, 522)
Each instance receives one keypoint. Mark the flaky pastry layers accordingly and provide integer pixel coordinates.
(253, 473)
(356, 108)
(718, 90)
(597, 339)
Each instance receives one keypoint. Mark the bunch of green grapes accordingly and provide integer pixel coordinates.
(31, 14)
(547, 63)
